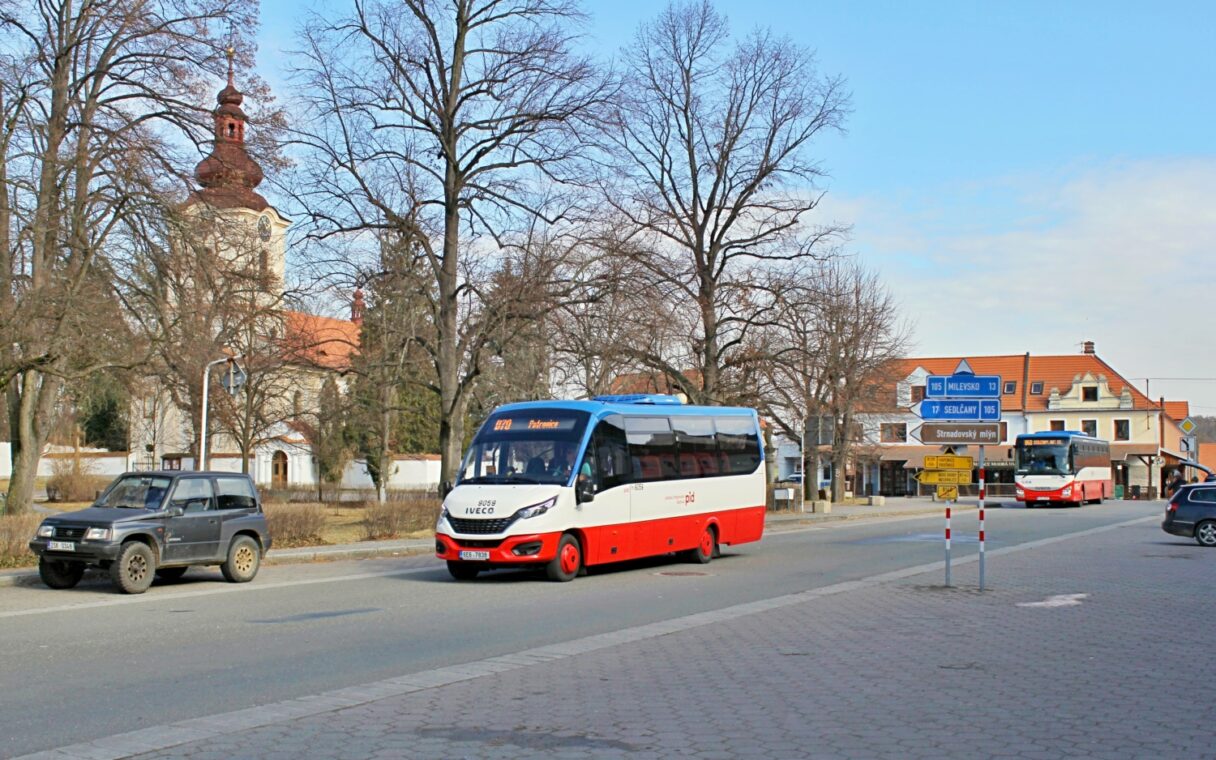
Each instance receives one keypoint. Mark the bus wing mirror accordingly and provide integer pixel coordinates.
(584, 491)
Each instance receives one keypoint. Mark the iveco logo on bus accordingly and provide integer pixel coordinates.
(479, 511)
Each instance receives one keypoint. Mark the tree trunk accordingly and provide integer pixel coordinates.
(30, 427)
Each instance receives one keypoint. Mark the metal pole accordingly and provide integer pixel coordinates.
(202, 437)
(947, 544)
(981, 518)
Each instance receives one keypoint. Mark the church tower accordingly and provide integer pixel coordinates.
(247, 227)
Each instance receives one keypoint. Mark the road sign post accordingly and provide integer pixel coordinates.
(962, 408)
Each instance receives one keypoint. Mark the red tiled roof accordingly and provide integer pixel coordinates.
(1053, 371)
(322, 342)
(1177, 410)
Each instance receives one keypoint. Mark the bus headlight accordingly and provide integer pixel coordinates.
(443, 515)
(1066, 492)
(537, 509)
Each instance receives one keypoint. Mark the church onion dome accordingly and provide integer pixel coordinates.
(228, 176)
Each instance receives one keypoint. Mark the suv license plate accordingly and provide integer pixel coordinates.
(475, 555)
(61, 546)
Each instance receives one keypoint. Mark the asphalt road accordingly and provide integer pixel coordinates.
(87, 663)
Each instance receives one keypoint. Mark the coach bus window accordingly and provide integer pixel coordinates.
(739, 444)
(609, 454)
(697, 445)
(652, 448)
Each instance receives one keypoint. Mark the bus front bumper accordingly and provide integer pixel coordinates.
(1030, 495)
(528, 549)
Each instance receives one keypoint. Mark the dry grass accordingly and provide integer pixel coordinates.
(15, 534)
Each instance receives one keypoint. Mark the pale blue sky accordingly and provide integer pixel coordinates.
(1027, 175)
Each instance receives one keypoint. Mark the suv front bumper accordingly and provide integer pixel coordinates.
(85, 551)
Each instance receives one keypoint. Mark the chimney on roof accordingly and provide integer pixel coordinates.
(1088, 347)
(356, 307)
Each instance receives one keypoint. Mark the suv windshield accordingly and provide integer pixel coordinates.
(533, 446)
(135, 492)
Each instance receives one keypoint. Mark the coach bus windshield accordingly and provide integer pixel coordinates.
(1043, 457)
(528, 446)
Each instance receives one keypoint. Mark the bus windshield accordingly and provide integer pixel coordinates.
(1043, 458)
(528, 446)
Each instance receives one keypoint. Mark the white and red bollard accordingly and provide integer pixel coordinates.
(947, 544)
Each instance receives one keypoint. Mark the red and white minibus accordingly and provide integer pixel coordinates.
(570, 484)
(1061, 466)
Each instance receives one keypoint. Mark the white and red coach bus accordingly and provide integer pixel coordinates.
(1061, 466)
(570, 484)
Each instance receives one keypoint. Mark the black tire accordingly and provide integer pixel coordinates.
(244, 559)
(1205, 533)
(171, 573)
(463, 571)
(60, 573)
(707, 547)
(134, 569)
(568, 561)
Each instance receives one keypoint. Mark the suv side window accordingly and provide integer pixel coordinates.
(1204, 495)
(235, 493)
(192, 495)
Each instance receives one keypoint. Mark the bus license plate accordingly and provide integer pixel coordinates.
(61, 546)
(474, 555)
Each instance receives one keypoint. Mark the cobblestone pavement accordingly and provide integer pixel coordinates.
(1096, 646)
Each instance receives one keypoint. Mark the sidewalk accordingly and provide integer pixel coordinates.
(775, 520)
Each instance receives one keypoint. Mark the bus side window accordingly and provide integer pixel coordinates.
(697, 444)
(611, 463)
(739, 443)
(650, 440)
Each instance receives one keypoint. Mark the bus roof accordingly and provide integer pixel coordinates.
(645, 405)
(1057, 434)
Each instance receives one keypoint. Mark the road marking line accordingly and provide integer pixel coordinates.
(1059, 600)
(155, 738)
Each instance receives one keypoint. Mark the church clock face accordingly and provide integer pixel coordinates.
(264, 228)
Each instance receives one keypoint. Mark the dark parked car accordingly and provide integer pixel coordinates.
(157, 523)
(1191, 512)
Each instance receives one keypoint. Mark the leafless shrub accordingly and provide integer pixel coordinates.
(295, 524)
(15, 534)
(401, 514)
(73, 480)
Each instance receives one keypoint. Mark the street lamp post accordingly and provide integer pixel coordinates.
(202, 437)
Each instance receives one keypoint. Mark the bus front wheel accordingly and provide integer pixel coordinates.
(568, 561)
(463, 571)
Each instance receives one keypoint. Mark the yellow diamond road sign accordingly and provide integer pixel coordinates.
(947, 493)
(945, 477)
(947, 462)
(1188, 425)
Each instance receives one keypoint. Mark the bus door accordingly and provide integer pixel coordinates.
(657, 493)
(607, 520)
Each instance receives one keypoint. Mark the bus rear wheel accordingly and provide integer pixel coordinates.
(707, 547)
(568, 561)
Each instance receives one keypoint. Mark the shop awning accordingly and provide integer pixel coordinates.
(1119, 452)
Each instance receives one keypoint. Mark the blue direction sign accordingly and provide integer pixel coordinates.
(960, 410)
(963, 386)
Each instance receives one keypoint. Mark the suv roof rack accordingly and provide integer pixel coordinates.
(641, 398)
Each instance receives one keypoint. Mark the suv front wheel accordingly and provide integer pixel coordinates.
(58, 573)
(244, 557)
(132, 572)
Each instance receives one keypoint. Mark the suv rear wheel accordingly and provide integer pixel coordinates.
(60, 573)
(1205, 533)
(133, 570)
(244, 558)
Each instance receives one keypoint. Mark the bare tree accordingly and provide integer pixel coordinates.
(710, 150)
(433, 120)
(96, 98)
